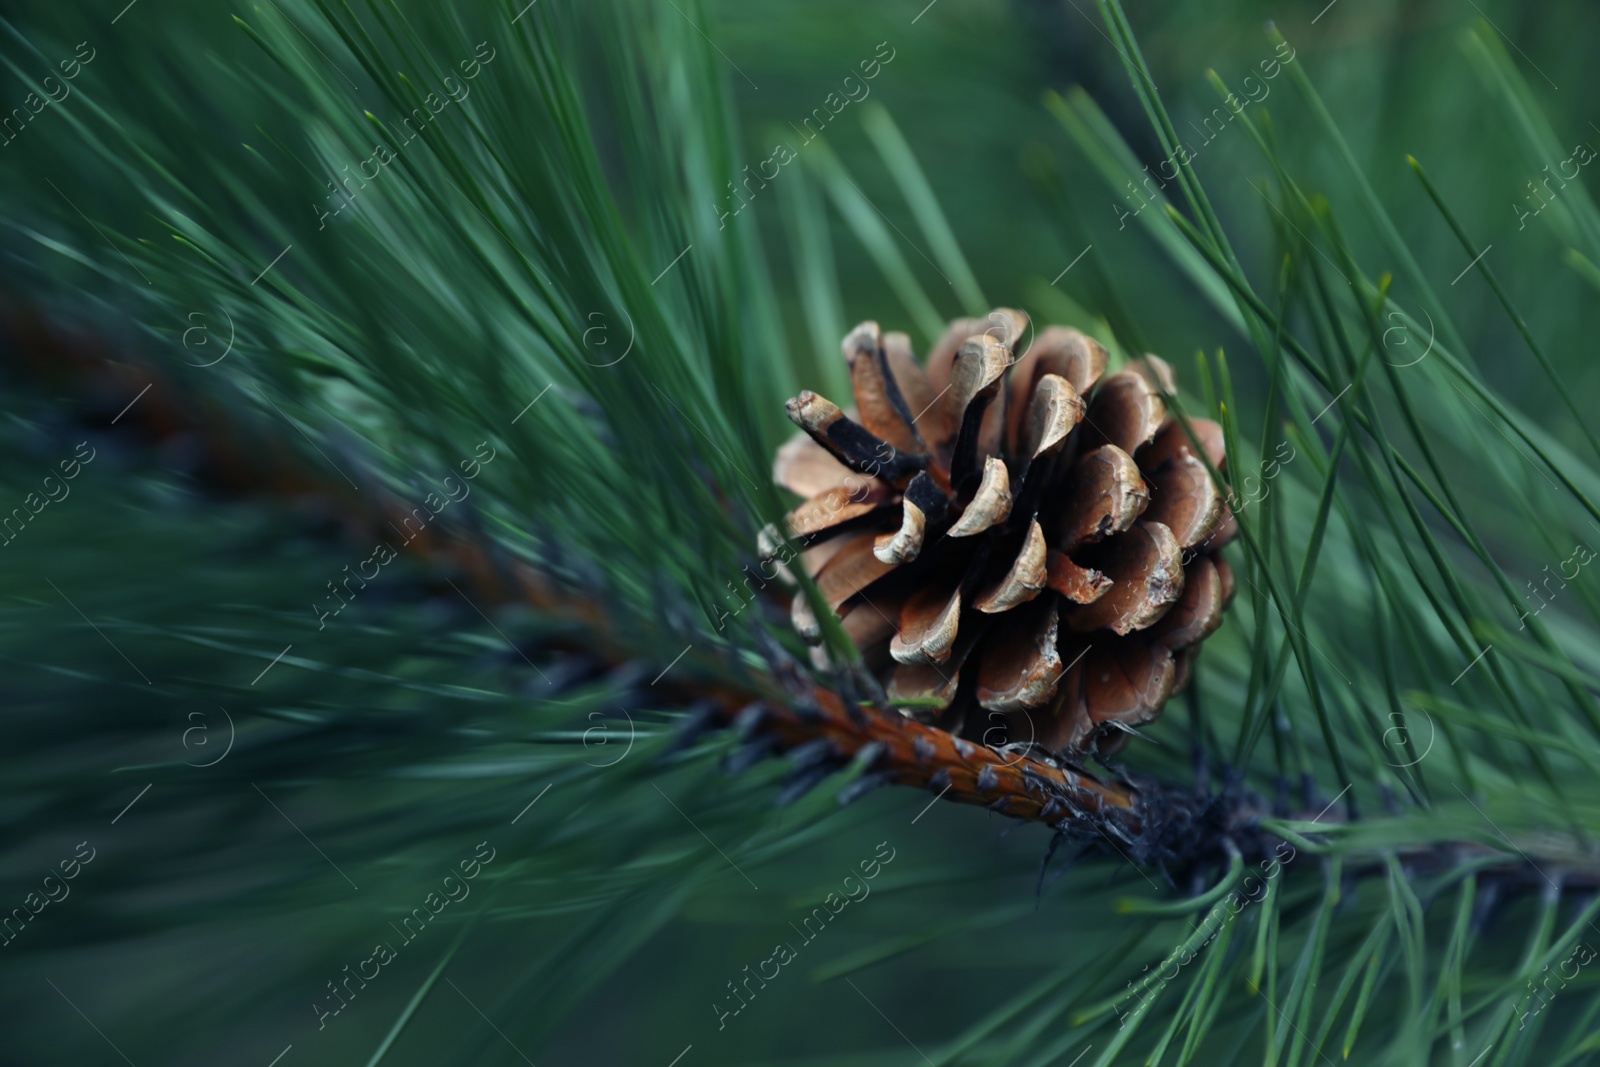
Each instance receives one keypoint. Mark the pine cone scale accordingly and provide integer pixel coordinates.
(879, 400)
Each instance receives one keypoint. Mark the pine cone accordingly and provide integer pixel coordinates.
(1023, 552)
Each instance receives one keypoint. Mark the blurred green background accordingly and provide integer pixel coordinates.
(953, 935)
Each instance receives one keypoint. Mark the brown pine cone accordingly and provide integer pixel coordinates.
(1023, 552)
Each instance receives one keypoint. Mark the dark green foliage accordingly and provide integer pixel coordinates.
(1385, 657)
